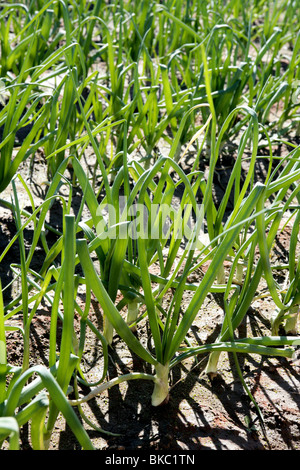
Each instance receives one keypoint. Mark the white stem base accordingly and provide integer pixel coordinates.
(161, 388)
(239, 274)
(221, 275)
(132, 314)
(276, 320)
(290, 326)
(108, 330)
(212, 365)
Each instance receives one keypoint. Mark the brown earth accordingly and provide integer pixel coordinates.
(201, 414)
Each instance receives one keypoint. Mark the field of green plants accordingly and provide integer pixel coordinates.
(189, 107)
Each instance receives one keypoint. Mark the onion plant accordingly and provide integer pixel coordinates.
(23, 399)
(123, 79)
(149, 80)
(56, 284)
(286, 298)
(18, 115)
(168, 328)
(34, 75)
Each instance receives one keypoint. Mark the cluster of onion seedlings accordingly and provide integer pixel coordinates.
(125, 81)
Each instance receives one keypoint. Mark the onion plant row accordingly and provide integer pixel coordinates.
(142, 63)
(125, 81)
